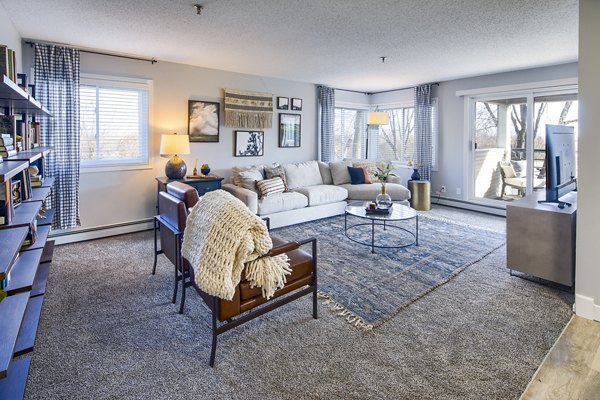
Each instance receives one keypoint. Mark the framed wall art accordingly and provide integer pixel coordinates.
(249, 143)
(283, 103)
(203, 121)
(296, 104)
(289, 130)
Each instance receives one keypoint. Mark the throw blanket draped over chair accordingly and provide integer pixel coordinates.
(221, 238)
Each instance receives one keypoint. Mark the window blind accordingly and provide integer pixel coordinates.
(114, 123)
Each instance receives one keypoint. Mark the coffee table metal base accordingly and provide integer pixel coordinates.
(373, 223)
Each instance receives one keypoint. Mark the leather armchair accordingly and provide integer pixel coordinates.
(247, 302)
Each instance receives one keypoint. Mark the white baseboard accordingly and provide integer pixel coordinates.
(467, 205)
(585, 307)
(79, 235)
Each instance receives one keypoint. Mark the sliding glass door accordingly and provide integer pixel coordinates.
(507, 141)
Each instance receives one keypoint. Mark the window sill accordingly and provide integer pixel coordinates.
(114, 168)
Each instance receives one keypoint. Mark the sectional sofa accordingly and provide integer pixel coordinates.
(315, 190)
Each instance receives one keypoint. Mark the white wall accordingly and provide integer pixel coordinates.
(10, 37)
(109, 198)
(587, 279)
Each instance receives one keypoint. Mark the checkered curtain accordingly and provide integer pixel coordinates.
(57, 88)
(423, 130)
(326, 101)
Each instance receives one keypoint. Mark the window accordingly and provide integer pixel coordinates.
(396, 140)
(114, 121)
(350, 127)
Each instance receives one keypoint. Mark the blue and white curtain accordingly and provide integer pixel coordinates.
(326, 102)
(423, 130)
(57, 88)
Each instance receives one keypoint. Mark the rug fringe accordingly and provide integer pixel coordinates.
(343, 312)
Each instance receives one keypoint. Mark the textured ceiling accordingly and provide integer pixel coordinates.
(333, 42)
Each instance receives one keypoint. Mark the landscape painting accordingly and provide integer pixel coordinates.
(203, 121)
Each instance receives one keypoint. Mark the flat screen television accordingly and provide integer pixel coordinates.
(561, 163)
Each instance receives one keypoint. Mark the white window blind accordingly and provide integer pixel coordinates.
(114, 122)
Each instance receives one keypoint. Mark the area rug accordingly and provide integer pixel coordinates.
(368, 289)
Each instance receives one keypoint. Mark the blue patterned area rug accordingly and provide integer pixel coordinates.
(369, 289)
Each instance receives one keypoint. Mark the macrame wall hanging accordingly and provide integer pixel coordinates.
(248, 109)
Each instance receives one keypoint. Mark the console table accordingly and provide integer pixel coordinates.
(540, 238)
(202, 185)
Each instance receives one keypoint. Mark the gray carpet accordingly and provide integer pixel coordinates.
(108, 330)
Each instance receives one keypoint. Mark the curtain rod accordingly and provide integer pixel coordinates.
(382, 91)
(150, 60)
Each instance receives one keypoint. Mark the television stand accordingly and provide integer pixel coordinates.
(561, 204)
(540, 238)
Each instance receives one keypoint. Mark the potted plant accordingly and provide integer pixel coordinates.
(384, 200)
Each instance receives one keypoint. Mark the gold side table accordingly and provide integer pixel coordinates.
(420, 198)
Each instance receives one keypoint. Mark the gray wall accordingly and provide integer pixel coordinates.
(587, 285)
(125, 196)
(10, 37)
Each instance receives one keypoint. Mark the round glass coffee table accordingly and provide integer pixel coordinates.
(398, 213)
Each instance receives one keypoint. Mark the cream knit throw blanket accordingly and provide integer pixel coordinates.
(221, 237)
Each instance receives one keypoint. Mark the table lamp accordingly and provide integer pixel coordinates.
(173, 145)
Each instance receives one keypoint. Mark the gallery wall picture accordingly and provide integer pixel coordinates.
(283, 103)
(289, 130)
(296, 104)
(203, 121)
(249, 143)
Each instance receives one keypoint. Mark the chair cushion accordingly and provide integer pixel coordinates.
(269, 187)
(281, 202)
(323, 194)
(508, 170)
(339, 172)
(369, 192)
(302, 174)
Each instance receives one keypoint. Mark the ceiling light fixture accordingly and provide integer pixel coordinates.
(198, 8)
(383, 59)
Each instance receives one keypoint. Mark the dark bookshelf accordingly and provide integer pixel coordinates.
(31, 319)
(40, 241)
(13, 387)
(41, 279)
(38, 194)
(8, 169)
(11, 240)
(18, 100)
(30, 155)
(23, 273)
(48, 214)
(24, 215)
(12, 310)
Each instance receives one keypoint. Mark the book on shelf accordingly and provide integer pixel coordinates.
(6, 147)
(22, 81)
(8, 62)
(7, 210)
(8, 153)
(6, 141)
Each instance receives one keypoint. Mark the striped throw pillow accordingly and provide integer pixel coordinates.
(268, 187)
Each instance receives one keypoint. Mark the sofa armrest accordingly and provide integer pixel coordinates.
(248, 197)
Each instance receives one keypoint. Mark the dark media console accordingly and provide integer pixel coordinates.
(540, 238)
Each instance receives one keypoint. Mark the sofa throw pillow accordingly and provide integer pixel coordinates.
(325, 173)
(274, 171)
(302, 174)
(357, 175)
(269, 187)
(235, 172)
(249, 178)
(339, 172)
(371, 167)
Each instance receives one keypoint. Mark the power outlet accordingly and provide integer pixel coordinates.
(458, 191)
(443, 189)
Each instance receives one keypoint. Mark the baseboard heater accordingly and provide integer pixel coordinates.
(468, 205)
(97, 232)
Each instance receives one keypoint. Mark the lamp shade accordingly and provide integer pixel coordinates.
(377, 118)
(174, 144)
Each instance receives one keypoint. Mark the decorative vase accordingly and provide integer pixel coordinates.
(415, 175)
(205, 171)
(383, 200)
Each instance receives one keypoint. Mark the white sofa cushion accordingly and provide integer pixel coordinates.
(325, 173)
(249, 178)
(281, 202)
(323, 194)
(339, 172)
(370, 191)
(302, 174)
(235, 172)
